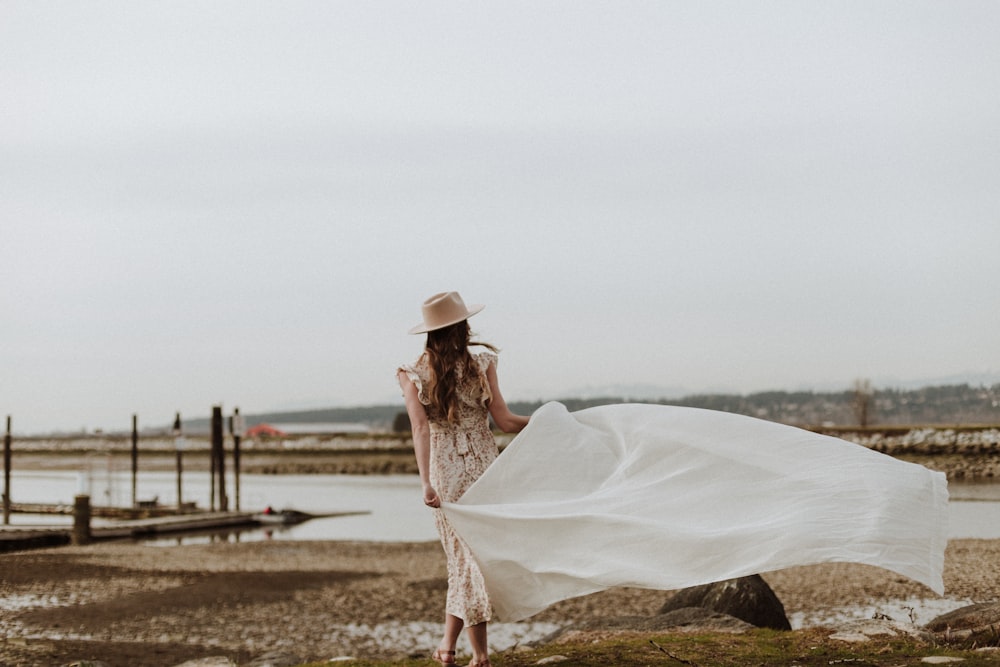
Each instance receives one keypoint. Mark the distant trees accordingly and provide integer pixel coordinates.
(857, 404)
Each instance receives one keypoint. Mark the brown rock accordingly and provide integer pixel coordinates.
(699, 619)
(749, 599)
(973, 618)
(276, 659)
(690, 619)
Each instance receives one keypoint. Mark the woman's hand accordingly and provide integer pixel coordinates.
(431, 498)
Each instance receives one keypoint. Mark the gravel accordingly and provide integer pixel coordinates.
(134, 604)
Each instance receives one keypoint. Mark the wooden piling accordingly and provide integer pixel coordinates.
(135, 460)
(236, 428)
(6, 474)
(81, 520)
(211, 477)
(219, 456)
(179, 448)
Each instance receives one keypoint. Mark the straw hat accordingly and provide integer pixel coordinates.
(445, 309)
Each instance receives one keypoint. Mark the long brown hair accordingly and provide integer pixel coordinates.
(451, 365)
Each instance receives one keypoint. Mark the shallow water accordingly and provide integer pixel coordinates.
(918, 611)
(390, 505)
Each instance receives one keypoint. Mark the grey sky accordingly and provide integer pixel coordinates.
(245, 202)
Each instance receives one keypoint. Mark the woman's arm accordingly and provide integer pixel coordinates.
(506, 421)
(421, 437)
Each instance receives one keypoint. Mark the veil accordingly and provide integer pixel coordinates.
(666, 497)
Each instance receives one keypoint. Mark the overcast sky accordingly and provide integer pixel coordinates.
(245, 203)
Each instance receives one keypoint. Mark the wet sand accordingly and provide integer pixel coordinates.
(132, 604)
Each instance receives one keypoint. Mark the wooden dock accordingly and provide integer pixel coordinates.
(17, 538)
(21, 537)
(183, 523)
(142, 511)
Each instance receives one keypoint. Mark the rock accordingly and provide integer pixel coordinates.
(552, 659)
(967, 620)
(865, 630)
(700, 619)
(940, 659)
(747, 598)
(211, 661)
(276, 659)
(88, 663)
(690, 619)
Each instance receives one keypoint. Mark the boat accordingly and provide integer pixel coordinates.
(285, 517)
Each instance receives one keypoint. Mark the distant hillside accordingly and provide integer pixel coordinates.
(952, 404)
(948, 404)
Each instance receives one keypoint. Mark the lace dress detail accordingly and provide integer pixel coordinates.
(460, 453)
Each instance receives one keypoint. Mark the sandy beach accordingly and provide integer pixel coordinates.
(131, 604)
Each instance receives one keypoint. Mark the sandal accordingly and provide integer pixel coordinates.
(481, 663)
(445, 657)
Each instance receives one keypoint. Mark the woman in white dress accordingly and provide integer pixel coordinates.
(650, 496)
(451, 392)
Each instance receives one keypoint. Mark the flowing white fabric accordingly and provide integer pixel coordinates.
(664, 497)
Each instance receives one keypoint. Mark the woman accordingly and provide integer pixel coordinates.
(450, 393)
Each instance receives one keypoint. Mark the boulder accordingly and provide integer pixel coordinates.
(691, 619)
(749, 599)
(275, 659)
(967, 620)
(700, 619)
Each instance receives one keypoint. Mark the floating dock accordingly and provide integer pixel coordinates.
(16, 538)
(144, 520)
(19, 538)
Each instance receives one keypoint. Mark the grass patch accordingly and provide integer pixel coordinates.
(758, 647)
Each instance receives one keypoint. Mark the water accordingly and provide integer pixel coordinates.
(390, 506)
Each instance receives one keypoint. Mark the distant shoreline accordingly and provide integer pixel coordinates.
(948, 405)
(969, 464)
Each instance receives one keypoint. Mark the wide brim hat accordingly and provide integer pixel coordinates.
(444, 309)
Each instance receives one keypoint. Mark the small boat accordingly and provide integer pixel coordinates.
(284, 517)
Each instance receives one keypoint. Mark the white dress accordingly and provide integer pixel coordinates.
(460, 453)
(668, 497)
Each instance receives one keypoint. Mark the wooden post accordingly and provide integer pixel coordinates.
(6, 474)
(81, 520)
(179, 447)
(218, 455)
(135, 460)
(236, 428)
(213, 465)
